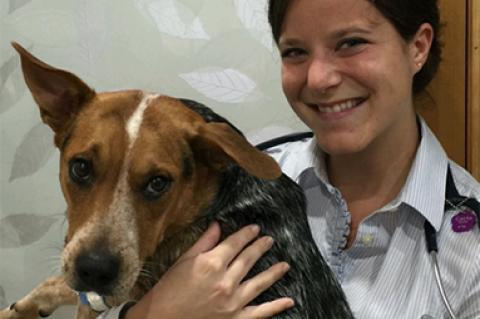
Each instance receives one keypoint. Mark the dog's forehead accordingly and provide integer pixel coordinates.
(101, 121)
(116, 122)
(162, 137)
(165, 109)
(166, 120)
(120, 105)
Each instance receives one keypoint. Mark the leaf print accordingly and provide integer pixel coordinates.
(23, 229)
(16, 4)
(34, 152)
(12, 86)
(227, 86)
(175, 19)
(253, 15)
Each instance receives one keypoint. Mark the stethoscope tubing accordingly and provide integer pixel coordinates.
(438, 279)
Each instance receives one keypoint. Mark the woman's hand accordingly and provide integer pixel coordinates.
(206, 282)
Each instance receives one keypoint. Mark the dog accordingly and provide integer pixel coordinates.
(143, 176)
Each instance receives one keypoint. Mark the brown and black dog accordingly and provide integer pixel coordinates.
(143, 175)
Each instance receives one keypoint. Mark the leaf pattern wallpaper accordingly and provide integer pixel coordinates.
(218, 52)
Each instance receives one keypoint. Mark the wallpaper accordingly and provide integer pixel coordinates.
(218, 52)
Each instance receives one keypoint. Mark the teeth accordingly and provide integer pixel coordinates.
(337, 107)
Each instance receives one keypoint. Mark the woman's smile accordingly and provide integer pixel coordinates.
(328, 111)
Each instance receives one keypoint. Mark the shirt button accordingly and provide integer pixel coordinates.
(367, 239)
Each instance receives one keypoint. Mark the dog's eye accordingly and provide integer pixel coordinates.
(81, 171)
(156, 187)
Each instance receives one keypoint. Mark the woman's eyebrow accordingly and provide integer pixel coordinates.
(338, 34)
(350, 30)
(288, 42)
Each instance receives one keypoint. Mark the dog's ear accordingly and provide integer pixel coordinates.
(58, 93)
(220, 145)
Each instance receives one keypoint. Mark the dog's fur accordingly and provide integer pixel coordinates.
(143, 175)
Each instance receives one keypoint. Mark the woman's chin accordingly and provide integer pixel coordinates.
(341, 147)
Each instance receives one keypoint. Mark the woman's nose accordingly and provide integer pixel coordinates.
(323, 74)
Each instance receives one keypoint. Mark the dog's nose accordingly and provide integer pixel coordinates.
(97, 271)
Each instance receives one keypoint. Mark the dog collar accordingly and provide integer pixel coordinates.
(94, 300)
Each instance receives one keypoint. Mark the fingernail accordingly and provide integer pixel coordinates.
(268, 241)
(285, 267)
(255, 229)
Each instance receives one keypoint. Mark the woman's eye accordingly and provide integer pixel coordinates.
(350, 43)
(292, 53)
(81, 171)
(156, 186)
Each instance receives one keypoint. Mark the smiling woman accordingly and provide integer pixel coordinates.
(351, 71)
(367, 57)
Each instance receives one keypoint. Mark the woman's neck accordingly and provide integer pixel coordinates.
(370, 179)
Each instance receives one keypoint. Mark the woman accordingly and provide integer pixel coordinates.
(373, 173)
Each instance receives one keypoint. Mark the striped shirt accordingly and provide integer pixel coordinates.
(387, 272)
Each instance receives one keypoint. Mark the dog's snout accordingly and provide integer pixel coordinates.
(97, 271)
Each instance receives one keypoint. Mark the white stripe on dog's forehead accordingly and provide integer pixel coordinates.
(135, 121)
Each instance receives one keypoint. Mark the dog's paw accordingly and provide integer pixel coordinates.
(42, 301)
(23, 310)
(9, 312)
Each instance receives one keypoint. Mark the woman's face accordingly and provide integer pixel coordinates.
(347, 73)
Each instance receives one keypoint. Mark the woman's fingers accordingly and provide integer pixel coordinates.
(248, 257)
(211, 280)
(267, 310)
(252, 288)
(205, 243)
(228, 249)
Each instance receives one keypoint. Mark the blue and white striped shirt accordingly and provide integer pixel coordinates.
(387, 273)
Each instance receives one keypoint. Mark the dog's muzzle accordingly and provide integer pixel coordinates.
(97, 270)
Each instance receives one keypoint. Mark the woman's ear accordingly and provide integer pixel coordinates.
(420, 46)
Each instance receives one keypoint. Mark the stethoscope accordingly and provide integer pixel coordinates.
(452, 200)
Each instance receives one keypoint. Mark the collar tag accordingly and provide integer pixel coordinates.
(94, 300)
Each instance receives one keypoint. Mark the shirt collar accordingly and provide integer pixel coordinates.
(425, 187)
